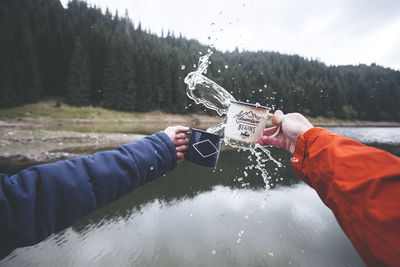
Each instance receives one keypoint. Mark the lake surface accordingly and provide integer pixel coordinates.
(196, 216)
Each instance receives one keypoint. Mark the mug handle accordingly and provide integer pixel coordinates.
(278, 129)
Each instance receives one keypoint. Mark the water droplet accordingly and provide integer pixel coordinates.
(183, 67)
(246, 217)
(271, 254)
(219, 70)
(260, 90)
(151, 168)
(213, 252)
(265, 86)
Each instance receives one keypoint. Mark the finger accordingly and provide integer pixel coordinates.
(179, 142)
(278, 141)
(278, 117)
(180, 136)
(181, 157)
(270, 131)
(181, 129)
(181, 148)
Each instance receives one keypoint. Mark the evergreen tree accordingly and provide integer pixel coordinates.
(29, 85)
(78, 90)
(119, 79)
(7, 61)
(128, 68)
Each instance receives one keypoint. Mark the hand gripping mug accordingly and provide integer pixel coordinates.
(245, 122)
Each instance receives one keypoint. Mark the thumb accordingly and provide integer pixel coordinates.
(278, 117)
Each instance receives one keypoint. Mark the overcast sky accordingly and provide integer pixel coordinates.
(336, 32)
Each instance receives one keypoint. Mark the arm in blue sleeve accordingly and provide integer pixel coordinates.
(48, 198)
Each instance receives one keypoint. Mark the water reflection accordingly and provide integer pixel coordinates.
(386, 135)
(196, 216)
(293, 228)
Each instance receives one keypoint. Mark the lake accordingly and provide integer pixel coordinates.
(196, 216)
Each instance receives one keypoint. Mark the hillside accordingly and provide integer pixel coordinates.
(90, 58)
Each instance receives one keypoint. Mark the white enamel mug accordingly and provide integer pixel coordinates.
(245, 122)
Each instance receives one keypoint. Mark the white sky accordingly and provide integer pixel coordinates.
(336, 32)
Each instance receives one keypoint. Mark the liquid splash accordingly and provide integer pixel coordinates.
(219, 128)
(204, 91)
(257, 151)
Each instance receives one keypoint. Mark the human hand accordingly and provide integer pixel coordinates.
(292, 126)
(178, 137)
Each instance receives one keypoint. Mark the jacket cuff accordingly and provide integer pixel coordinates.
(170, 145)
(300, 152)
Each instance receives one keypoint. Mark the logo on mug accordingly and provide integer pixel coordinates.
(205, 148)
(247, 122)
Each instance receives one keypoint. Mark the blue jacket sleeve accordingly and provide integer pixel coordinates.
(48, 198)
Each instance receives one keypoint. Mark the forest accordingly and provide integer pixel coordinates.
(83, 57)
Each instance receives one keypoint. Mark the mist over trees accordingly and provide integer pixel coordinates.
(90, 58)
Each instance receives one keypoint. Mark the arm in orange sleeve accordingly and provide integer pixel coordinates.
(361, 185)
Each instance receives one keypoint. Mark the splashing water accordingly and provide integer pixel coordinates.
(216, 128)
(257, 151)
(205, 91)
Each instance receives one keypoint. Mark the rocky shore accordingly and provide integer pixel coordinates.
(24, 142)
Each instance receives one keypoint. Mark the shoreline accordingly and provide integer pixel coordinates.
(172, 119)
(47, 112)
(29, 141)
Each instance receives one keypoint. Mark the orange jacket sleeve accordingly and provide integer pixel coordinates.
(361, 185)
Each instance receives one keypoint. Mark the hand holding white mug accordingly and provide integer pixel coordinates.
(292, 126)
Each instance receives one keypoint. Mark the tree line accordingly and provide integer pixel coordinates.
(87, 57)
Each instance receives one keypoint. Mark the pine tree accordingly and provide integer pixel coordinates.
(78, 90)
(29, 85)
(119, 77)
(7, 64)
